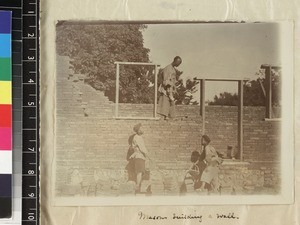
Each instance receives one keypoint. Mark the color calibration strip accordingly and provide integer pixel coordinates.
(5, 114)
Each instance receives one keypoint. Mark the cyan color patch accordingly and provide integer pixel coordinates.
(5, 45)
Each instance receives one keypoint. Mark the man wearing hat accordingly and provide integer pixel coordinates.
(139, 155)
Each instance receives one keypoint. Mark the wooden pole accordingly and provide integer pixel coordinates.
(268, 93)
(240, 117)
(155, 92)
(117, 90)
(200, 97)
(202, 103)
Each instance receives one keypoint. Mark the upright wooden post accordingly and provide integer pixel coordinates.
(202, 103)
(155, 92)
(117, 90)
(240, 117)
(268, 92)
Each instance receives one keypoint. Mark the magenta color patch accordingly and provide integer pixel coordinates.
(5, 139)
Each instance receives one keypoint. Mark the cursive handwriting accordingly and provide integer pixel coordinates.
(187, 217)
(144, 216)
(227, 216)
(182, 216)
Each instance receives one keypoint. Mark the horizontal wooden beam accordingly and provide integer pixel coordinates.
(223, 79)
(273, 119)
(264, 66)
(137, 118)
(137, 63)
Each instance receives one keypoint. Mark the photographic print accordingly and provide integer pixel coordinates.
(169, 113)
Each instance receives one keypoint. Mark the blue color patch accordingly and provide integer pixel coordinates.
(5, 45)
(5, 22)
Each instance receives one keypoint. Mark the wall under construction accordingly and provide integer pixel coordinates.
(91, 141)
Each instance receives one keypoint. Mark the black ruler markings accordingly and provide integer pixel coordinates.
(30, 105)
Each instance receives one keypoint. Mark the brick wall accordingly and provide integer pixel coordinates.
(261, 138)
(90, 140)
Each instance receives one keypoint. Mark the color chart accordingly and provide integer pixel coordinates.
(5, 115)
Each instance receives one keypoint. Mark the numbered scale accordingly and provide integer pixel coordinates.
(30, 107)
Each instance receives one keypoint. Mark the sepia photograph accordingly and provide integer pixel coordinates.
(187, 112)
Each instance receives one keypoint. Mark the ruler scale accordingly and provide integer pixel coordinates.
(30, 62)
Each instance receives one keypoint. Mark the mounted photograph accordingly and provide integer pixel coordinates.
(173, 113)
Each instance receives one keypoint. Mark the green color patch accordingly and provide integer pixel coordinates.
(5, 69)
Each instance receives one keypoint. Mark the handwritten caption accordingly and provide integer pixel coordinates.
(190, 216)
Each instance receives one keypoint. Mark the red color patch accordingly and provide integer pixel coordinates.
(5, 116)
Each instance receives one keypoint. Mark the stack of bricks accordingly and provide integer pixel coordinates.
(90, 140)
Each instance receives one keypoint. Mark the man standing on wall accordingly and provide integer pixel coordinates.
(167, 89)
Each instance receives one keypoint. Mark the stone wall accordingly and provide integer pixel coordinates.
(89, 140)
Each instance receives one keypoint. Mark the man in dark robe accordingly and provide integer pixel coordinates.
(167, 89)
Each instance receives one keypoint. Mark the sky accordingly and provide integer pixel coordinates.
(231, 50)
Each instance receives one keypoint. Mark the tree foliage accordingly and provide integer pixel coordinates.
(184, 95)
(225, 98)
(93, 49)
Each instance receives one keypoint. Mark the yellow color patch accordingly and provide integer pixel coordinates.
(5, 92)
